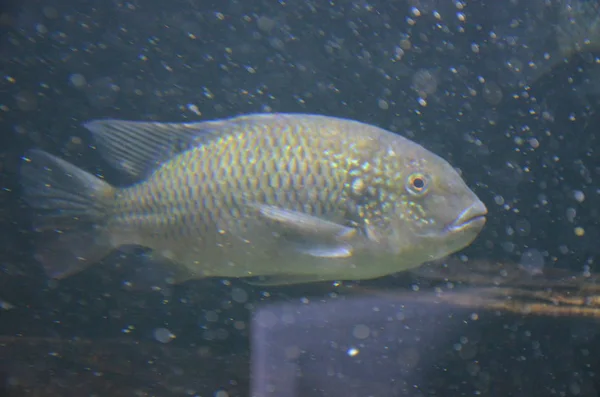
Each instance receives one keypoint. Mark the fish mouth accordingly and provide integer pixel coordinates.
(471, 217)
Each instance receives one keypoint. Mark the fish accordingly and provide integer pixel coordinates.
(578, 27)
(576, 32)
(273, 199)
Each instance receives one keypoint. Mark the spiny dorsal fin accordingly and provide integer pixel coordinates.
(137, 148)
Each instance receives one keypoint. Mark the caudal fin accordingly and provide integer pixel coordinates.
(70, 213)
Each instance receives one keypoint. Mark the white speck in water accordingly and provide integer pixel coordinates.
(4, 305)
(194, 109)
(352, 352)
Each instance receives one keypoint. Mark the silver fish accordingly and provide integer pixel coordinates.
(291, 197)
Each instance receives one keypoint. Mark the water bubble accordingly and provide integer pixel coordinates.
(102, 92)
(222, 334)
(578, 196)
(77, 80)
(266, 319)
(508, 246)
(163, 335)
(468, 351)
(41, 29)
(265, 24)
(292, 352)
(277, 43)
(534, 143)
(425, 82)
(492, 93)
(352, 352)
(532, 260)
(211, 316)
(50, 12)
(26, 100)
(473, 368)
(575, 388)
(239, 325)
(361, 331)
(563, 249)
(571, 214)
(221, 393)
(523, 227)
(239, 295)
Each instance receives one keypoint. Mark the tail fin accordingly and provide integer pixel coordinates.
(70, 204)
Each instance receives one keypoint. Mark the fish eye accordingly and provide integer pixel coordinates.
(417, 183)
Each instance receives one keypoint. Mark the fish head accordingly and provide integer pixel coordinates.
(420, 209)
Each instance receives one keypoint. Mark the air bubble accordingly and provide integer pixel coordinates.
(239, 295)
(163, 335)
(361, 331)
(77, 80)
(492, 93)
(579, 196)
(532, 260)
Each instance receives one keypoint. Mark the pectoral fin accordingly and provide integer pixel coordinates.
(309, 235)
(304, 224)
(333, 251)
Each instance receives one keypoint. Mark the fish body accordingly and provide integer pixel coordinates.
(577, 31)
(291, 197)
(578, 27)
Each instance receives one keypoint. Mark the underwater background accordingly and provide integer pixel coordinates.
(505, 91)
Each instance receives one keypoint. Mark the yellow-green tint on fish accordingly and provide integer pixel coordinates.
(292, 197)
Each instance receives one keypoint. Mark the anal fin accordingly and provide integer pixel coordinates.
(146, 270)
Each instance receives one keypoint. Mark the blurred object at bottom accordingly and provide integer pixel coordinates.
(463, 328)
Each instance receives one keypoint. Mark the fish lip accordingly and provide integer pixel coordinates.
(472, 216)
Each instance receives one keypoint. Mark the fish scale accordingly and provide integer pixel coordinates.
(220, 176)
(291, 197)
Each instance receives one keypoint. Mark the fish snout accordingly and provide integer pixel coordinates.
(471, 217)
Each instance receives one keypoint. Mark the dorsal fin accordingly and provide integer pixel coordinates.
(137, 148)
